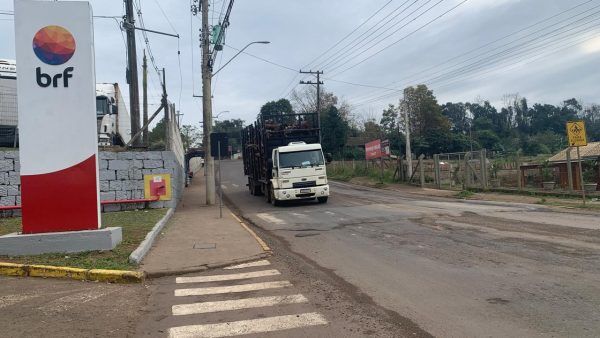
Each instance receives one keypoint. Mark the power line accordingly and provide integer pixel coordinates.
(530, 54)
(166, 17)
(404, 37)
(367, 40)
(449, 71)
(369, 31)
(482, 47)
(348, 35)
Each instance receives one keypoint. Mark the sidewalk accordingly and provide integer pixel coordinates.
(196, 239)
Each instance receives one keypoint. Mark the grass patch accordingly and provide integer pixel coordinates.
(136, 224)
(10, 225)
(465, 194)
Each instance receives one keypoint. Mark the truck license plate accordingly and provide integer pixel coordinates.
(304, 191)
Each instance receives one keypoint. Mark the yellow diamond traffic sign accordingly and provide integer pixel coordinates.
(576, 134)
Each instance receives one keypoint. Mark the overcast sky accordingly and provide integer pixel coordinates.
(553, 61)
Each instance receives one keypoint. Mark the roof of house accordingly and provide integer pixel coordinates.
(591, 151)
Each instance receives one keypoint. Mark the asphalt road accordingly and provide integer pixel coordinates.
(37, 307)
(453, 268)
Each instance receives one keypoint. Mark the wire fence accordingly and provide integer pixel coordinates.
(476, 170)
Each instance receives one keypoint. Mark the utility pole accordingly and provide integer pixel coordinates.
(408, 150)
(318, 83)
(209, 163)
(134, 99)
(145, 98)
(167, 114)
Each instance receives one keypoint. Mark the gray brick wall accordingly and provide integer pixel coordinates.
(121, 177)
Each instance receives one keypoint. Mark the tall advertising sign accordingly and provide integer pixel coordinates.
(57, 116)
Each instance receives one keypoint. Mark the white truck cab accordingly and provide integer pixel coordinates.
(299, 172)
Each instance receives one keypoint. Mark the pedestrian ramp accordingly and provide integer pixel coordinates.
(249, 298)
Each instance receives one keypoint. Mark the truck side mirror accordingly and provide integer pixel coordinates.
(328, 157)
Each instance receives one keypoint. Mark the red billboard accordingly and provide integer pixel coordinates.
(373, 150)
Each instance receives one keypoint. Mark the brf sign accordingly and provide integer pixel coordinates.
(57, 116)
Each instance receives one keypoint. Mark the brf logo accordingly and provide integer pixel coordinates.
(53, 45)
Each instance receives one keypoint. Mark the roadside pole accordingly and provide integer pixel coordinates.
(209, 162)
(381, 167)
(581, 175)
(578, 138)
(220, 183)
(569, 169)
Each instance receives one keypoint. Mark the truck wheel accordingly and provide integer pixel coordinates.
(267, 193)
(274, 201)
(322, 199)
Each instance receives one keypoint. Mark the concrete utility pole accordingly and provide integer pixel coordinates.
(209, 163)
(145, 98)
(318, 83)
(409, 171)
(134, 99)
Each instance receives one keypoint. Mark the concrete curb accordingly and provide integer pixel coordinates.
(204, 267)
(138, 254)
(47, 271)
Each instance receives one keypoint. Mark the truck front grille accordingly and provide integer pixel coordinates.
(305, 184)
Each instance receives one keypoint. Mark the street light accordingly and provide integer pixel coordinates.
(219, 114)
(238, 53)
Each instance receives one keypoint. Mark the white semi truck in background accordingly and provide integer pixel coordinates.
(113, 120)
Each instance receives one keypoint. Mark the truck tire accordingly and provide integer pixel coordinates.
(251, 187)
(274, 201)
(266, 191)
(322, 200)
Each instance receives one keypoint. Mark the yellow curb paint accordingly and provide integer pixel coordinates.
(236, 218)
(262, 243)
(115, 276)
(57, 272)
(47, 271)
(11, 269)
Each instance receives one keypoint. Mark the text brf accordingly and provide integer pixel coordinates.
(45, 80)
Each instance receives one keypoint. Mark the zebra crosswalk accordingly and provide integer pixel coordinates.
(238, 291)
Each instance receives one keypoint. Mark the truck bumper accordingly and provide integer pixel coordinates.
(301, 193)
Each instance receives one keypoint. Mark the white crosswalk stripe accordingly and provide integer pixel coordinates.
(241, 327)
(249, 265)
(297, 315)
(218, 278)
(231, 289)
(237, 304)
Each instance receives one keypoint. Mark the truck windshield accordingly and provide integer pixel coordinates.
(101, 106)
(301, 159)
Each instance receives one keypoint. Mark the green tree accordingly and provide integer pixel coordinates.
(334, 130)
(233, 129)
(156, 136)
(190, 137)
(429, 128)
(390, 126)
(280, 107)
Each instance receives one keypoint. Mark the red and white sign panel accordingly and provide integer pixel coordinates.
(373, 150)
(57, 116)
(385, 148)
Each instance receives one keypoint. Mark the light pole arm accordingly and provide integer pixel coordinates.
(238, 53)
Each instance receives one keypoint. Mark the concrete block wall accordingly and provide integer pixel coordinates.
(121, 177)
